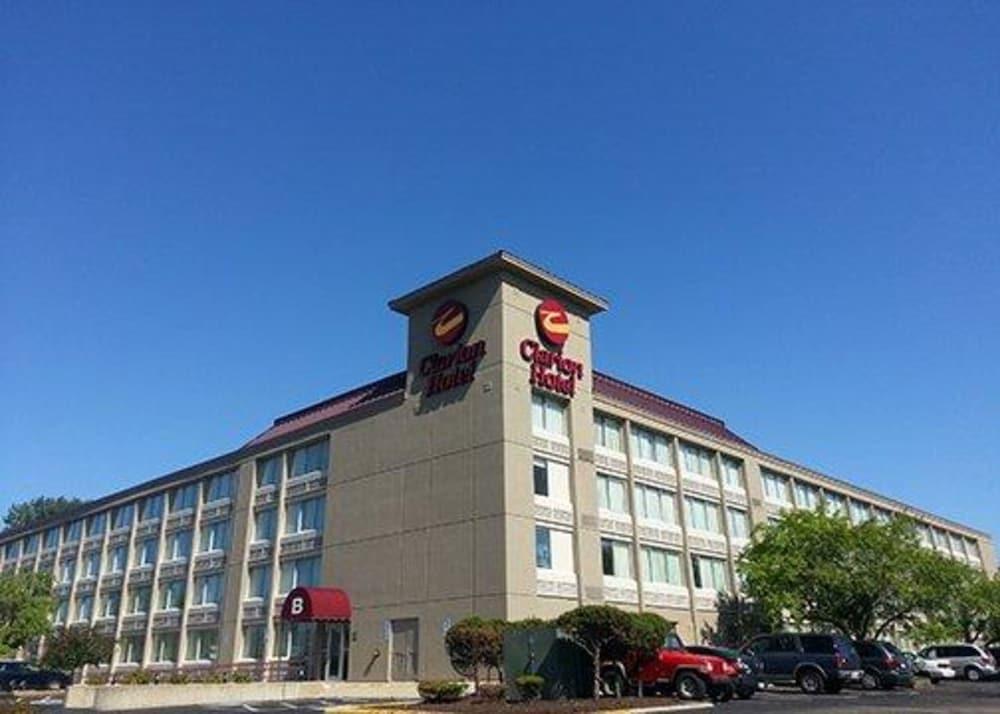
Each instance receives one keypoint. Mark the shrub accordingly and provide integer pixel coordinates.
(241, 676)
(475, 644)
(139, 676)
(441, 690)
(493, 691)
(530, 686)
(97, 678)
(20, 706)
(178, 678)
(73, 647)
(215, 677)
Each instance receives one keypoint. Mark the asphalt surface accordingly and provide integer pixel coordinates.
(956, 696)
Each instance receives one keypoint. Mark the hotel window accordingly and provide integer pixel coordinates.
(739, 523)
(775, 486)
(702, 515)
(709, 573)
(940, 538)
(172, 595)
(553, 549)
(254, 641)
(265, 524)
(259, 581)
(611, 494)
(972, 549)
(92, 564)
(214, 536)
(139, 599)
(882, 515)
(178, 545)
(96, 525)
(269, 471)
(650, 446)
(292, 641)
(925, 534)
(132, 648)
(72, 533)
(732, 473)
(152, 507)
(110, 603)
(608, 432)
(305, 516)
(219, 487)
(121, 517)
(548, 414)
(551, 479)
(51, 538)
(165, 647)
(208, 589)
(12, 550)
(307, 459)
(835, 503)
(145, 552)
(806, 496)
(655, 504)
(67, 569)
(697, 460)
(957, 544)
(31, 544)
(117, 558)
(860, 512)
(183, 498)
(61, 612)
(84, 607)
(202, 645)
(301, 572)
(661, 566)
(616, 558)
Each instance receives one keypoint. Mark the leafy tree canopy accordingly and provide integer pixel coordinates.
(599, 630)
(740, 619)
(73, 647)
(816, 568)
(25, 607)
(969, 612)
(474, 645)
(37, 509)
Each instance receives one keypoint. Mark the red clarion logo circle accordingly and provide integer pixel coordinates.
(553, 322)
(449, 322)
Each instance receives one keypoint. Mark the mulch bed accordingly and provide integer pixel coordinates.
(476, 705)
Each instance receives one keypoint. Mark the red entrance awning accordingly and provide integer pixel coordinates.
(316, 605)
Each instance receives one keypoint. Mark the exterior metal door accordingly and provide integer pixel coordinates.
(405, 643)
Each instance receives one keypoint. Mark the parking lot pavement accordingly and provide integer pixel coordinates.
(946, 697)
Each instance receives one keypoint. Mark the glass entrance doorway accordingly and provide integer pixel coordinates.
(337, 646)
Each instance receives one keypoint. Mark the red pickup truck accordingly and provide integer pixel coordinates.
(672, 670)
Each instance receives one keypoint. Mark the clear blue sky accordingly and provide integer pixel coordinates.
(793, 208)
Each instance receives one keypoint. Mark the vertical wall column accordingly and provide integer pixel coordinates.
(241, 516)
(126, 569)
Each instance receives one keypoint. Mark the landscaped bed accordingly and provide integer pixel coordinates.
(482, 705)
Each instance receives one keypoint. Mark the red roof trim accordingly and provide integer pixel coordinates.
(627, 394)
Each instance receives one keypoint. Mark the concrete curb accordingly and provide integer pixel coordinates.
(412, 708)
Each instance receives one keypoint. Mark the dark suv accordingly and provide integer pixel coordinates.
(884, 665)
(24, 675)
(816, 663)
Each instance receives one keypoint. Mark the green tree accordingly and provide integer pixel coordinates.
(968, 611)
(25, 607)
(475, 645)
(70, 648)
(819, 569)
(740, 619)
(597, 629)
(28, 512)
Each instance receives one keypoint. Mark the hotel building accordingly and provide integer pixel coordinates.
(499, 474)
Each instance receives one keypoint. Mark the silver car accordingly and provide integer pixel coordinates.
(969, 661)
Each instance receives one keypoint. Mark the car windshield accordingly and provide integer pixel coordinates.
(892, 649)
(673, 642)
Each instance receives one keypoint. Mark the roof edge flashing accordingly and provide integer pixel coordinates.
(501, 261)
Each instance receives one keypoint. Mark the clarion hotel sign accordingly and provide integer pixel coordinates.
(455, 367)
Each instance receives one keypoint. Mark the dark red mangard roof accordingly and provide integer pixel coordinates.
(332, 407)
(616, 390)
(316, 605)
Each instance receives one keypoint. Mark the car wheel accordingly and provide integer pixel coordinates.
(723, 693)
(869, 681)
(811, 681)
(745, 692)
(973, 674)
(612, 683)
(690, 686)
